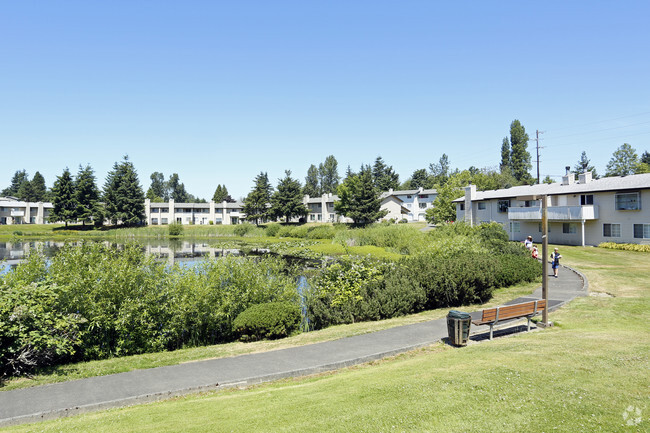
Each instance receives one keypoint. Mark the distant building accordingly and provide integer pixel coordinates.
(15, 211)
(586, 212)
(193, 213)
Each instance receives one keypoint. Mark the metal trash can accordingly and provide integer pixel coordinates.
(458, 324)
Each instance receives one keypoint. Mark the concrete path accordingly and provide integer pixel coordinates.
(84, 395)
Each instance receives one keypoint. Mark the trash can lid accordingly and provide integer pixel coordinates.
(455, 314)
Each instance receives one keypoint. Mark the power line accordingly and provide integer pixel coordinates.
(601, 130)
(601, 121)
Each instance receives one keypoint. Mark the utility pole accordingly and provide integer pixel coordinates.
(537, 132)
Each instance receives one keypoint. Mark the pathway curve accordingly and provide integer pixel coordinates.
(84, 395)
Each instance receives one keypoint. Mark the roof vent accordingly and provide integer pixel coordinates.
(585, 177)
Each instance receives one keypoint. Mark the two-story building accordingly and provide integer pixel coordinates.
(586, 212)
(15, 211)
(193, 213)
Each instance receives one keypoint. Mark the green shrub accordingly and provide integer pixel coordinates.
(515, 268)
(626, 247)
(272, 229)
(293, 231)
(243, 229)
(175, 229)
(321, 232)
(267, 321)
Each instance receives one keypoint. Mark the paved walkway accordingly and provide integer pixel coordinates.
(84, 395)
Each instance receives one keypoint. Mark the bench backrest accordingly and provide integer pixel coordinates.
(513, 311)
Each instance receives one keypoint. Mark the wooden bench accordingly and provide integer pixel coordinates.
(492, 316)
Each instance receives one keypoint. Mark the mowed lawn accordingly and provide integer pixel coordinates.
(588, 373)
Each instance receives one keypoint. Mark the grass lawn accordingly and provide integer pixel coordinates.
(579, 376)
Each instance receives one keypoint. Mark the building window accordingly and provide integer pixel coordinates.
(423, 196)
(331, 217)
(481, 205)
(408, 196)
(628, 201)
(423, 205)
(503, 205)
(218, 221)
(569, 228)
(530, 203)
(514, 227)
(586, 199)
(320, 217)
(642, 231)
(462, 206)
(312, 217)
(154, 221)
(612, 230)
(155, 210)
(164, 220)
(539, 227)
(408, 205)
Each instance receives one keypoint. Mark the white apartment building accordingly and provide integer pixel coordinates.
(586, 212)
(14, 211)
(193, 213)
(416, 201)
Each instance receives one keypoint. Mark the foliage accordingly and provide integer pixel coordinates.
(519, 156)
(312, 185)
(358, 198)
(175, 229)
(625, 247)
(267, 321)
(383, 176)
(19, 178)
(584, 165)
(329, 175)
(443, 207)
(258, 200)
(419, 179)
(286, 202)
(440, 171)
(221, 195)
(63, 199)
(158, 191)
(402, 239)
(624, 161)
(505, 166)
(123, 195)
(176, 189)
(243, 229)
(86, 195)
(272, 229)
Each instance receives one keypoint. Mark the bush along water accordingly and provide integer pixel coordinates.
(95, 302)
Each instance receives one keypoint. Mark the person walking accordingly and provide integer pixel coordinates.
(528, 243)
(535, 252)
(555, 261)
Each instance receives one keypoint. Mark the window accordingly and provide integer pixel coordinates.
(462, 206)
(539, 227)
(155, 210)
(642, 231)
(530, 203)
(481, 205)
(514, 227)
(628, 201)
(320, 217)
(409, 196)
(423, 196)
(408, 205)
(218, 211)
(164, 221)
(612, 230)
(569, 228)
(503, 205)
(423, 205)
(312, 217)
(154, 221)
(586, 199)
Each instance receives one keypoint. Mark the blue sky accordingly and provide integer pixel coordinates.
(219, 91)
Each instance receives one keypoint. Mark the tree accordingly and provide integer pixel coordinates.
(86, 195)
(221, 195)
(63, 199)
(583, 166)
(419, 179)
(177, 190)
(384, 177)
(256, 204)
(548, 180)
(505, 166)
(443, 207)
(123, 194)
(158, 191)
(645, 157)
(519, 156)
(26, 192)
(329, 175)
(358, 198)
(286, 202)
(39, 190)
(312, 187)
(17, 180)
(440, 171)
(624, 161)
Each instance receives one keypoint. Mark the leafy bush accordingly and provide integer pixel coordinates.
(626, 247)
(321, 232)
(293, 231)
(272, 229)
(175, 229)
(271, 320)
(243, 229)
(515, 268)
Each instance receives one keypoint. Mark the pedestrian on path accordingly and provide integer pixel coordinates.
(535, 252)
(528, 243)
(555, 259)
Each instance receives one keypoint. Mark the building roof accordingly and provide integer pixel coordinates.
(411, 192)
(615, 183)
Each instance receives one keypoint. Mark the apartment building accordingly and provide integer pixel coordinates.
(584, 212)
(193, 213)
(15, 211)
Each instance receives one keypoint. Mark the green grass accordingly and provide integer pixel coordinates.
(578, 376)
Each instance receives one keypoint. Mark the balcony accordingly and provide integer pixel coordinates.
(555, 213)
(17, 213)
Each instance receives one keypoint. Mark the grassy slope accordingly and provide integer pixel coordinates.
(579, 376)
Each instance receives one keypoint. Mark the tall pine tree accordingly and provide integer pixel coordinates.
(286, 202)
(123, 194)
(63, 199)
(358, 198)
(383, 176)
(519, 156)
(39, 190)
(312, 186)
(17, 180)
(329, 175)
(584, 165)
(86, 195)
(505, 165)
(257, 203)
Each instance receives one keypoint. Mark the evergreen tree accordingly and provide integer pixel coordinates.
(645, 157)
(519, 156)
(583, 166)
(329, 175)
(256, 204)
(505, 165)
(349, 173)
(39, 190)
(312, 187)
(26, 192)
(123, 194)
(440, 171)
(86, 195)
(443, 207)
(63, 199)
(419, 179)
(158, 191)
(153, 197)
(358, 198)
(221, 194)
(624, 161)
(177, 190)
(548, 180)
(286, 202)
(17, 180)
(384, 177)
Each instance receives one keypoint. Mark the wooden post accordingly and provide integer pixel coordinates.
(545, 257)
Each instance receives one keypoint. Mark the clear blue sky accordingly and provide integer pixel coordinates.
(218, 91)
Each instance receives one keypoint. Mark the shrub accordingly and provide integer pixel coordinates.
(626, 247)
(271, 320)
(272, 229)
(175, 229)
(321, 232)
(515, 268)
(243, 229)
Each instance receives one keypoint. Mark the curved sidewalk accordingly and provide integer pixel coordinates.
(84, 395)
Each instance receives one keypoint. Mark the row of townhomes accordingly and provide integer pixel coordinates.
(583, 212)
(14, 211)
(407, 204)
